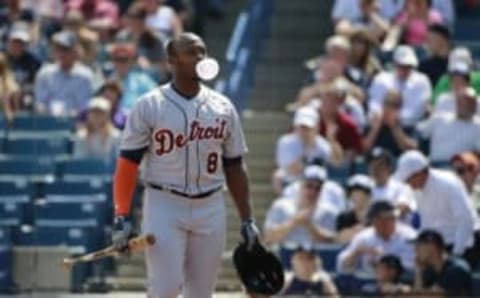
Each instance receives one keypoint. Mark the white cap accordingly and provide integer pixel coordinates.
(460, 54)
(315, 173)
(19, 34)
(338, 41)
(306, 116)
(405, 56)
(459, 67)
(410, 163)
(100, 103)
(361, 181)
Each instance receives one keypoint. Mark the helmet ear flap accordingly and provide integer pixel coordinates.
(259, 270)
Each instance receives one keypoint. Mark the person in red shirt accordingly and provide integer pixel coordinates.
(106, 11)
(335, 121)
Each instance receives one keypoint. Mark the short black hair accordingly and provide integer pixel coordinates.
(441, 30)
(392, 262)
(379, 153)
(378, 208)
(430, 237)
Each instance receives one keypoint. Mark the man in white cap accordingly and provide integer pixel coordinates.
(453, 133)
(414, 87)
(458, 56)
(442, 200)
(301, 221)
(302, 147)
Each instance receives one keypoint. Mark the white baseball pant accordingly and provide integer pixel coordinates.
(190, 239)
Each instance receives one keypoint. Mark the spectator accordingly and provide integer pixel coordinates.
(439, 45)
(446, 9)
(10, 89)
(134, 81)
(442, 200)
(385, 236)
(162, 19)
(386, 187)
(359, 11)
(460, 80)
(301, 221)
(11, 14)
(363, 65)
(303, 147)
(388, 274)
(437, 274)
(467, 166)
(99, 138)
(453, 133)
(23, 63)
(335, 121)
(350, 222)
(415, 19)
(64, 87)
(385, 129)
(308, 278)
(112, 90)
(331, 196)
(151, 52)
(460, 61)
(414, 87)
(105, 11)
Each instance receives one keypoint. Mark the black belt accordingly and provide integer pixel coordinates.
(186, 195)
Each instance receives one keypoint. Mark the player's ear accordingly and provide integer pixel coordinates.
(171, 52)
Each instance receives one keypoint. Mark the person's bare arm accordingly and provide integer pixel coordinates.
(337, 150)
(372, 135)
(279, 232)
(403, 141)
(237, 183)
(320, 234)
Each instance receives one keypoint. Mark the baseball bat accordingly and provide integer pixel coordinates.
(134, 245)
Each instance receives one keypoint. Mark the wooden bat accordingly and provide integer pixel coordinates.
(134, 245)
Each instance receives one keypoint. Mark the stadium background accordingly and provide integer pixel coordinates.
(262, 46)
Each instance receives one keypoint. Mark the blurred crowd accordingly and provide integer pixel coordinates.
(89, 59)
(378, 171)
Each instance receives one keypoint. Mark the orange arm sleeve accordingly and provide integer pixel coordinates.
(124, 183)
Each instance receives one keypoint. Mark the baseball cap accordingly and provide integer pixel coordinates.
(99, 103)
(66, 39)
(306, 116)
(405, 56)
(410, 163)
(338, 41)
(379, 153)
(429, 236)
(462, 54)
(314, 172)
(360, 181)
(459, 67)
(380, 208)
(19, 34)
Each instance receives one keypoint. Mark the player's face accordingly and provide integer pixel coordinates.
(186, 58)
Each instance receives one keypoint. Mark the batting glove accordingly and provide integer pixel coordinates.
(122, 230)
(250, 233)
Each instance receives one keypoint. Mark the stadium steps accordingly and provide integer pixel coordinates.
(299, 29)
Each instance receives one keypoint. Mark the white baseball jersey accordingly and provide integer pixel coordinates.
(186, 138)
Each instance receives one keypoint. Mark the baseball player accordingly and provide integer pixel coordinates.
(190, 142)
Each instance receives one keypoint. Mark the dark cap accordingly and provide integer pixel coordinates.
(65, 39)
(380, 208)
(442, 30)
(379, 153)
(430, 237)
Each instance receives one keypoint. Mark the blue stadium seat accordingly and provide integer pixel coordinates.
(26, 169)
(328, 254)
(57, 147)
(73, 188)
(12, 213)
(85, 169)
(41, 126)
(6, 283)
(5, 236)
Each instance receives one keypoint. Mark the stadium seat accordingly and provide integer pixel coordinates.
(5, 268)
(5, 236)
(37, 147)
(26, 169)
(41, 126)
(85, 169)
(72, 188)
(12, 213)
(328, 254)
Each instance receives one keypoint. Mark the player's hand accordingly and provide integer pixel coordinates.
(250, 233)
(122, 230)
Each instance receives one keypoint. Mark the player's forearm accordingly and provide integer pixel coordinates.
(237, 182)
